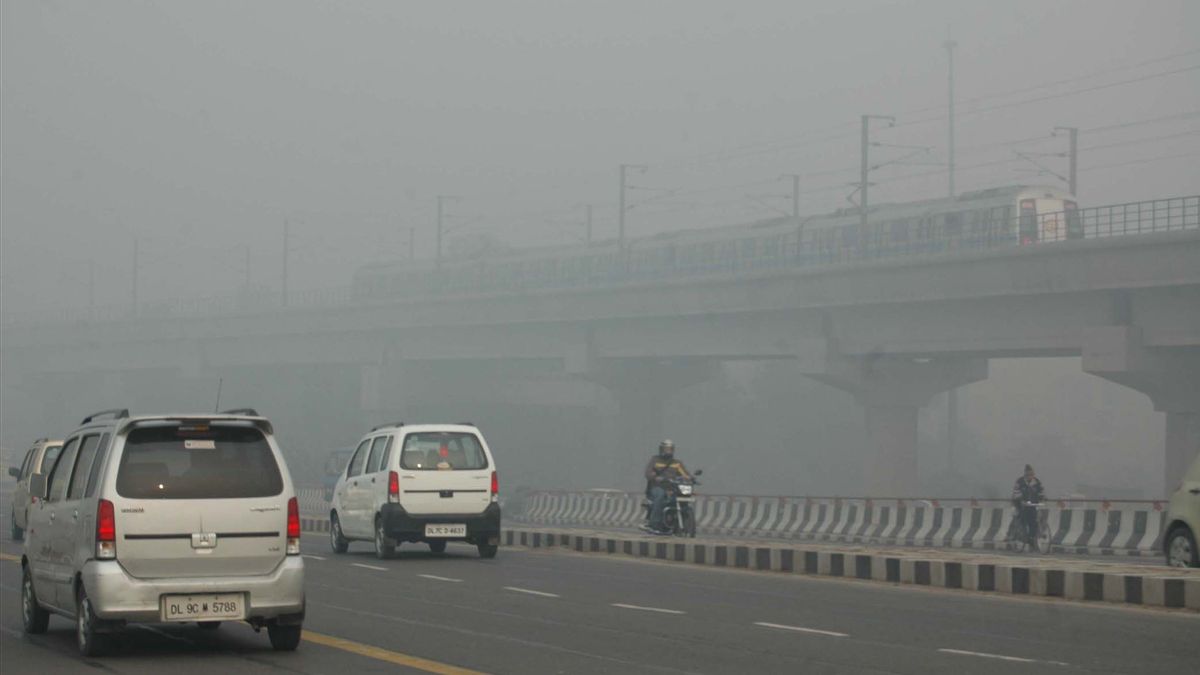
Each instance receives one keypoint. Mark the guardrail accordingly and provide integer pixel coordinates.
(731, 251)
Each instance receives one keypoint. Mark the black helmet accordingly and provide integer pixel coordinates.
(666, 444)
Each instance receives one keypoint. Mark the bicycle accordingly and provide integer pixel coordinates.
(1019, 540)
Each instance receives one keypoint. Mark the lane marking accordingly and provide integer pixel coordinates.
(312, 557)
(801, 629)
(370, 567)
(532, 592)
(437, 578)
(386, 655)
(1016, 659)
(647, 609)
(10, 558)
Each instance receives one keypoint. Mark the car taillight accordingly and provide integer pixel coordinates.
(293, 527)
(106, 531)
(393, 487)
(495, 486)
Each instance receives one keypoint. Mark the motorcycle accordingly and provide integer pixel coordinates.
(679, 514)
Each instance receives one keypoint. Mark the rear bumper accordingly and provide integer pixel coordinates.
(482, 528)
(117, 596)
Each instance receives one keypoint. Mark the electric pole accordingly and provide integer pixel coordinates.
(283, 297)
(950, 44)
(864, 182)
(1073, 156)
(621, 206)
(134, 294)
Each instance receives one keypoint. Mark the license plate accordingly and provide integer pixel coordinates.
(204, 607)
(439, 530)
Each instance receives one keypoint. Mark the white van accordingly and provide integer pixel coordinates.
(175, 518)
(1183, 521)
(430, 483)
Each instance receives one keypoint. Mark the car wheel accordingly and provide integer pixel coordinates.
(437, 546)
(1181, 549)
(488, 551)
(90, 642)
(337, 541)
(384, 547)
(209, 625)
(284, 638)
(34, 618)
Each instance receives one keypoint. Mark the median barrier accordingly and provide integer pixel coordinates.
(1079, 580)
(1098, 527)
(1092, 527)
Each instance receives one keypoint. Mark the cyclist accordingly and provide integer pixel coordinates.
(1026, 493)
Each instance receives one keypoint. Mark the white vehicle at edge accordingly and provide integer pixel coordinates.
(166, 518)
(1183, 521)
(429, 483)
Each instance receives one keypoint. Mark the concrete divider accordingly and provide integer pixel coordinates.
(1070, 580)
(1099, 527)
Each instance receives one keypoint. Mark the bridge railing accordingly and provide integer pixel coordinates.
(729, 252)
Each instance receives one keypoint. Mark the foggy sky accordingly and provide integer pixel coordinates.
(198, 128)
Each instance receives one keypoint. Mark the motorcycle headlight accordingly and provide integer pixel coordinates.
(685, 489)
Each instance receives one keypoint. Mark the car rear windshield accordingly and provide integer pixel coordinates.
(198, 461)
(442, 451)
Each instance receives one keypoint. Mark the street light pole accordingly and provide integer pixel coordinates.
(950, 45)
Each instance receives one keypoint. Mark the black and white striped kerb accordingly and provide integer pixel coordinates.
(1179, 590)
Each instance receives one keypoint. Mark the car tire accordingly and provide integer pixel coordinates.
(208, 625)
(337, 540)
(384, 546)
(33, 617)
(284, 638)
(488, 551)
(15, 532)
(1181, 549)
(437, 546)
(87, 638)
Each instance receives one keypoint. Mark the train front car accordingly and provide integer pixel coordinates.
(1047, 214)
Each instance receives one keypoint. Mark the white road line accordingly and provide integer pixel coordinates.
(526, 590)
(370, 567)
(437, 578)
(801, 629)
(647, 609)
(314, 557)
(1017, 659)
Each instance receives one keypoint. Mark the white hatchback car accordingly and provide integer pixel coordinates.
(1183, 521)
(177, 518)
(418, 483)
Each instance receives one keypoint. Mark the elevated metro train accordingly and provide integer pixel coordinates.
(1005, 216)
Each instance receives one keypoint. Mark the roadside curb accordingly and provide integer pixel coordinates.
(1149, 590)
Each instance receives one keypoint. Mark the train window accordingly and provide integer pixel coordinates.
(953, 224)
(1028, 227)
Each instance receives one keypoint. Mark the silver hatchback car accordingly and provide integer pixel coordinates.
(176, 518)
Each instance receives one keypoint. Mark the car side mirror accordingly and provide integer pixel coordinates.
(14, 471)
(37, 485)
(699, 472)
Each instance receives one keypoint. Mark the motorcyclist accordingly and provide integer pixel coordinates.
(662, 468)
(1026, 492)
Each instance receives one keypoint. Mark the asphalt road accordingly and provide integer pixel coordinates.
(559, 612)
